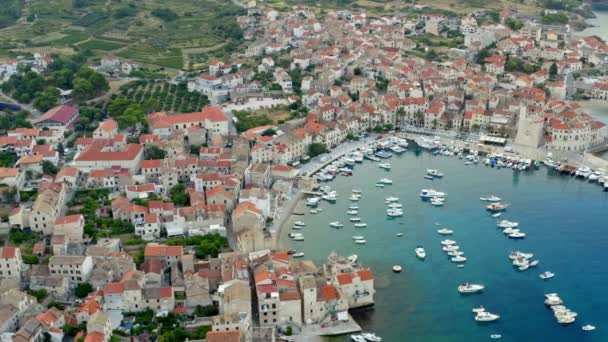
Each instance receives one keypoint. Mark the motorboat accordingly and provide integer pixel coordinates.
(314, 211)
(297, 227)
(497, 206)
(448, 242)
(358, 237)
(356, 191)
(450, 248)
(445, 231)
(458, 258)
(588, 327)
(354, 198)
(434, 173)
(430, 193)
(523, 267)
(395, 205)
(379, 185)
(361, 241)
(312, 201)
(385, 166)
(383, 154)
(460, 265)
(399, 234)
(298, 255)
(534, 263)
(394, 212)
(294, 235)
(355, 219)
(299, 223)
(506, 224)
(385, 181)
(371, 337)
(352, 212)
(420, 253)
(546, 275)
(552, 299)
(291, 252)
(583, 171)
(357, 338)
(595, 176)
(496, 215)
(392, 199)
(517, 235)
(479, 309)
(336, 224)
(455, 253)
(352, 258)
(429, 177)
(360, 225)
(486, 316)
(330, 197)
(353, 207)
(397, 268)
(509, 231)
(298, 238)
(495, 336)
(437, 201)
(470, 288)
(493, 198)
(520, 255)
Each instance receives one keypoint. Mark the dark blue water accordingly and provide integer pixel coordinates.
(566, 221)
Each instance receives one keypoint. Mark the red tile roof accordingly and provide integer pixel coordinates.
(345, 278)
(68, 219)
(224, 336)
(366, 275)
(329, 292)
(95, 153)
(61, 114)
(163, 250)
(114, 288)
(8, 252)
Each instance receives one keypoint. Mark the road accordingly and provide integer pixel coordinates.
(27, 107)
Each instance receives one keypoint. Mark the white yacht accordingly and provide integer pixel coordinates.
(298, 255)
(298, 238)
(493, 198)
(583, 171)
(312, 201)
(299, 223)
(497, 206)
(517, 235)
(588, 327)
(455, 253)
(397, 268)
(450, 248)
(448, 242)
(358, 237)
(355, 219)
(295, 226)
(313, 211)
(354, 198)
(520, 255)
(352, 212)
(458, 258)
(596, 175)
(394, 212)
(371, 337)
(420, 252)
(437, 201)
(385, 181)
(547, 275)
(379, 185)
(485, 316)
(496, 215)
(479, 309)
(360, 225)
(361, 241)
(395, 205)
(553, 299)
(330, 197)
(336, 224)
(434, 173)
(385, 166)
(506, 224)
(357, 338)
(445, 231)
(356, 191)
(353, 207)
(430, 193)
(470, 288)
(391, 199)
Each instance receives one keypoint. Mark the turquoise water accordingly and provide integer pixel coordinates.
(565, 219)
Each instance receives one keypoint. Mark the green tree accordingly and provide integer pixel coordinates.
(83, 289)
(83, 89)
(49, 168)
(154, 152)
(179, 196)
(150, 105)
(269, 132)
(131, 116)
(38, 294)
(7, 159)
(553, 71)
(46, 99)
(316, 149)
(514, 24)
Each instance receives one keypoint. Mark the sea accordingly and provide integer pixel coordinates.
(565, 219)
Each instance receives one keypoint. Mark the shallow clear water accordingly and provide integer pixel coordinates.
(566, 221)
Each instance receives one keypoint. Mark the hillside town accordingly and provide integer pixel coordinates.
(168, 229)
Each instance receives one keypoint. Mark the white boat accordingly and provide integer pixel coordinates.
(312, 201)
(330, 197)
(455, 253)
(437, 201)
(470, 288)
(553, 299)
(588, 327)
(583, 171)
(385, 181)
(355, 219)
(506, 224)
(353, 207)
(397, 268)
(429, 177)
(546, 275)
(298, 255)
(485, 316)
(299, 238)
(520, 255)
(534, 263)
(313, 211)
(394, 212)
(395, 205)
(450, 248)
(371, 337)
(420, 253)
(493, 198)
(297, 227)
(434, 173)
(352, 258)
(392, 199)
(595, 176)
(360, 225)
(479, 309)
(352, 212)
(497, 206)
(299, 223)
(356, 191)
(496, 215)
(510, 231)
(517, 235)
(448, 242)
(336, 224)
(385, 166)
(361, 241)
(458, 258)
(357, 338)
(379, 185)
(354, 197)
(523, 267)
(358, 237)
(399, 234)
(430, 193)
(445, 231)
(495, 336)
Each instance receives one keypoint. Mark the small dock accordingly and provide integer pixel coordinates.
(332, 328)
(567, 169)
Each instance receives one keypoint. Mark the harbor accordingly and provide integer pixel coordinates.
(546, 205)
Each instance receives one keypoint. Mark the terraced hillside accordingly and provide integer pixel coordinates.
(155, 32)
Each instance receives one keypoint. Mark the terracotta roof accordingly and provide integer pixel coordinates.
(95, 153)
(151, 164)
(8, 172)
(329, 292)
(95, 336)
(114, 288)
(366, 275)
(61, 114)
(246, 206)
(108, 125)
(8, 252)
(68, 219)
(224, 336)
(162, 250)
(37, 158)
(345, 278)
(289, 295)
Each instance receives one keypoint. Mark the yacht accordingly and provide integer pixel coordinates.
(470, 288)
(395, 205)
(372, 157)
(299, 223)
(383, 154)
(506, 224)
(313, 211)
(295, 226)
(360, 225)
(426, 143)
(353, 207)
(371, 337)
(458, 258)
(357, 338)
(455, 253)
(509, 231)
(379, 185)
(394, 212)
(355, 219)
(430, 193)
(354, 198)
(479, 309)
(330, 197)
(358, 237)
(437, 201)
(595, 176)
(517, 235)
(361, 241)
(420, 253)
(385, 166)
(392, 199)
(450, 248)
(298, 255)
(312, 201)
(402, 143)
(294, 235)
(588, 327)
(352, 212)
(429, 177)
(445, 231)
(336, 224)
(553, 299)
(397, 268)
(491, 198)
(397, 149)
(298, 238)
(534, 263)
(448, 242)
(520, 255)
(356, 191)
(583, 171)
(434, 173)
(546, 275)
(385, 181)
(399, 234)
(485, 316)
(497, 206)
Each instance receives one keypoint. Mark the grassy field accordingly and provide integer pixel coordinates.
(126, 28)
